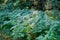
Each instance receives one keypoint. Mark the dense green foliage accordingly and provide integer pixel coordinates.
(29, 24)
